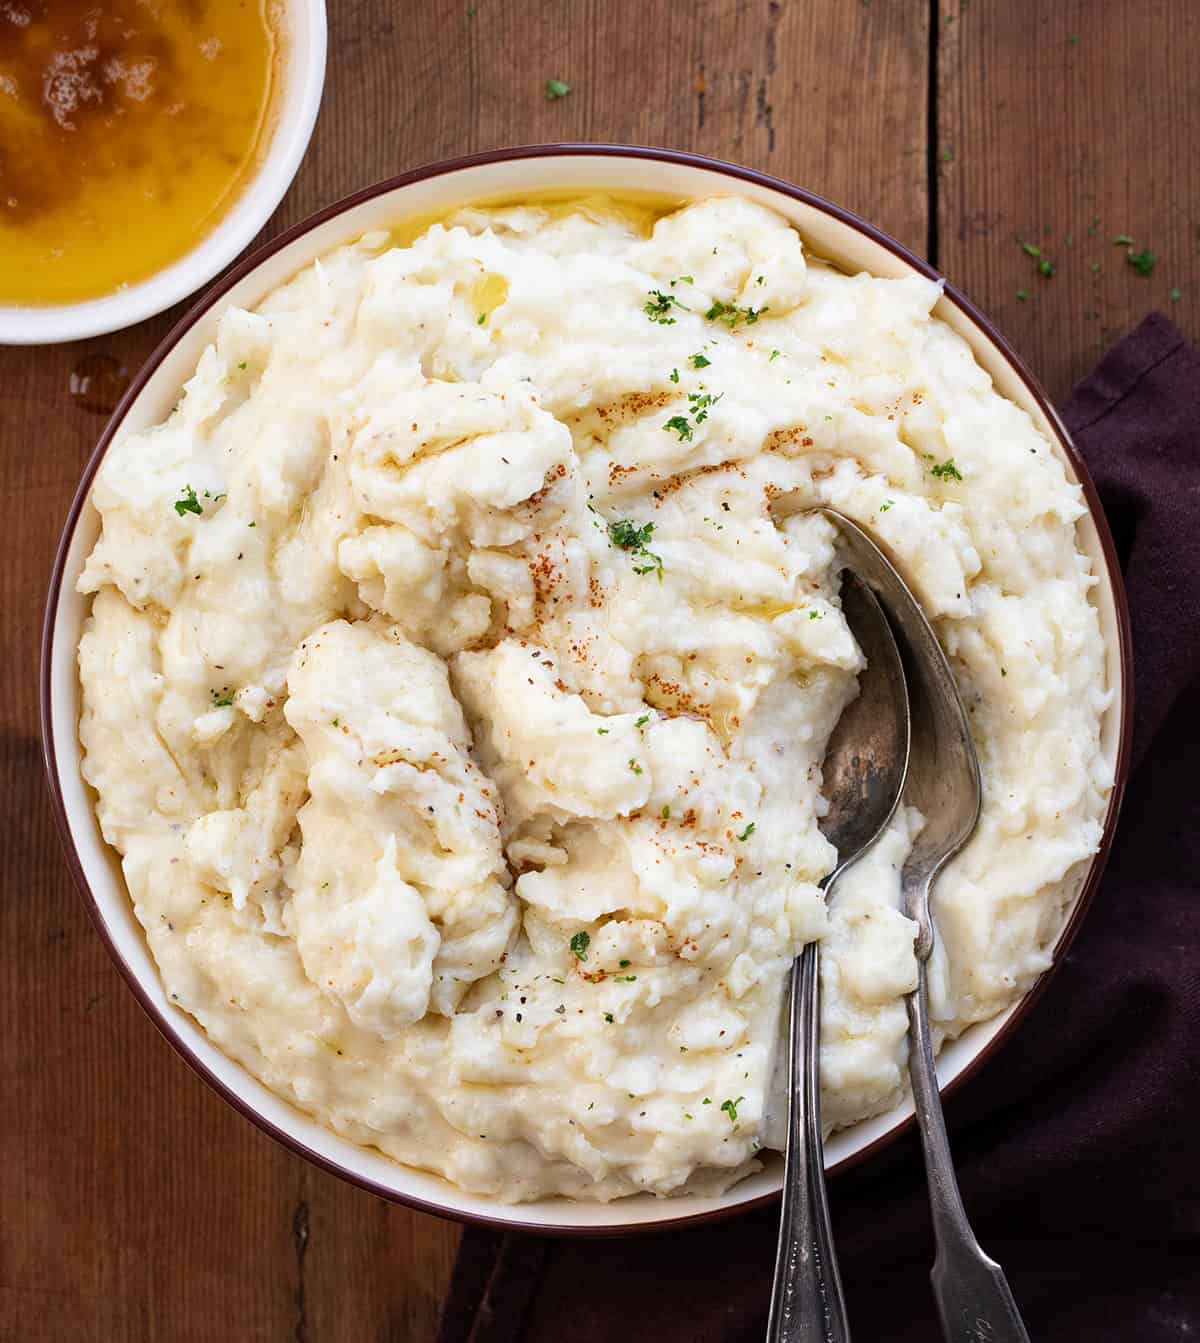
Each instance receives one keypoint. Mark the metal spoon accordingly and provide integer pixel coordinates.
(864, 768)
(972, 1294)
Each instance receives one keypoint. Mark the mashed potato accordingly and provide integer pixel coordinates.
(462, 658)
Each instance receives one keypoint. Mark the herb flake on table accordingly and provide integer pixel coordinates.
(1143, 262)
(556, 88)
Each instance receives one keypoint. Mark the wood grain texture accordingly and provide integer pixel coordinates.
(1067, 125)
(133, 1204)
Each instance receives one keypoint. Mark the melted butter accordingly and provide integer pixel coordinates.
(638, 210)
(127, 128)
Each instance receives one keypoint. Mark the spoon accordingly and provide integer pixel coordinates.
(864, 768)
(973, 1296)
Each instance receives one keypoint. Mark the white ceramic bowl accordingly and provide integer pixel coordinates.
(293, 112)
(829, 231)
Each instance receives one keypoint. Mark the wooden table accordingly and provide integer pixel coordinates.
(133, 1204)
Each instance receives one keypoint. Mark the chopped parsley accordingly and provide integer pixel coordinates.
(627, 535)
(479, 321)
(682, 279)
(335, 722)
(242, 366)
(633, 765)
(772, 356)
(674, 375)
(1031, 249)
(624, 964)
(658, 307)
(730, 314)
(700, 403)
(579, 945)
(947, 154)
(602, 732)
(814, 615)
(1175, 295)
(730, 1108)
(556, 88)
(749, 830)
(624, 979)
(887, 503)
(642, 721)
(698, 361)
(608, 1016)
(946, 470)
(666, 811)
(1022, 294)
(223, 700)
(678, 424)
(1046, 267)
(1143, 262)
(188, 503)
(1122, 240)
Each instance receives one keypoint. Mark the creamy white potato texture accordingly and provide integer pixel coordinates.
(462, 658)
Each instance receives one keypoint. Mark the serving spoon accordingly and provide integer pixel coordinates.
(973, 1296)
(864, 768)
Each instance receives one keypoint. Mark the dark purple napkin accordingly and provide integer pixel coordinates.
(1078, 1148)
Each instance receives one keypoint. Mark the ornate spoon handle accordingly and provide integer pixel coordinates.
(972, 1293)
(806, 1299)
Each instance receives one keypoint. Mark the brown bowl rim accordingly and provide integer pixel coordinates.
(581, 150)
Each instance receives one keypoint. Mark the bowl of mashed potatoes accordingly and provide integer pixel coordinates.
(442, 648)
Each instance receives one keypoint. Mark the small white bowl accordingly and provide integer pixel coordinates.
(828, 230)
(301, 44)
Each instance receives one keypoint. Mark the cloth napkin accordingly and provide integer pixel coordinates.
(1078, 1146)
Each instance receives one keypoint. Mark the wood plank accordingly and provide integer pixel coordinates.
(134, 1205)
(1067, 125)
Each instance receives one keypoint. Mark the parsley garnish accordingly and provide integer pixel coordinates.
(579, 945)
(749, 830)
(699, 404)
(772, 356)
(730, 314)
(1031, 249)
(479, 321)
(633, 765)
(730, 1108)
(625, 979)
(556, 88)
(1143, 262)
(642, 721)
(883, 507)
(624, 964)
(602, 732)
(698, 361)
(674, 375)
(223, 701)
(658, 307)
(666, 811)
(188, 503)
(242, 366)
(608, 1016)
(1022, 294)
(678, 424)
(946, 470)
(626, 535)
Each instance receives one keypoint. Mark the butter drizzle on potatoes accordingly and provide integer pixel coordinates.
(462, 659)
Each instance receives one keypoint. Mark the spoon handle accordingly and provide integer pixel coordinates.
(972, 1294)
(806, 1299)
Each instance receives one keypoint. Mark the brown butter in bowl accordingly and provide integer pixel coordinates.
(127, 129)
